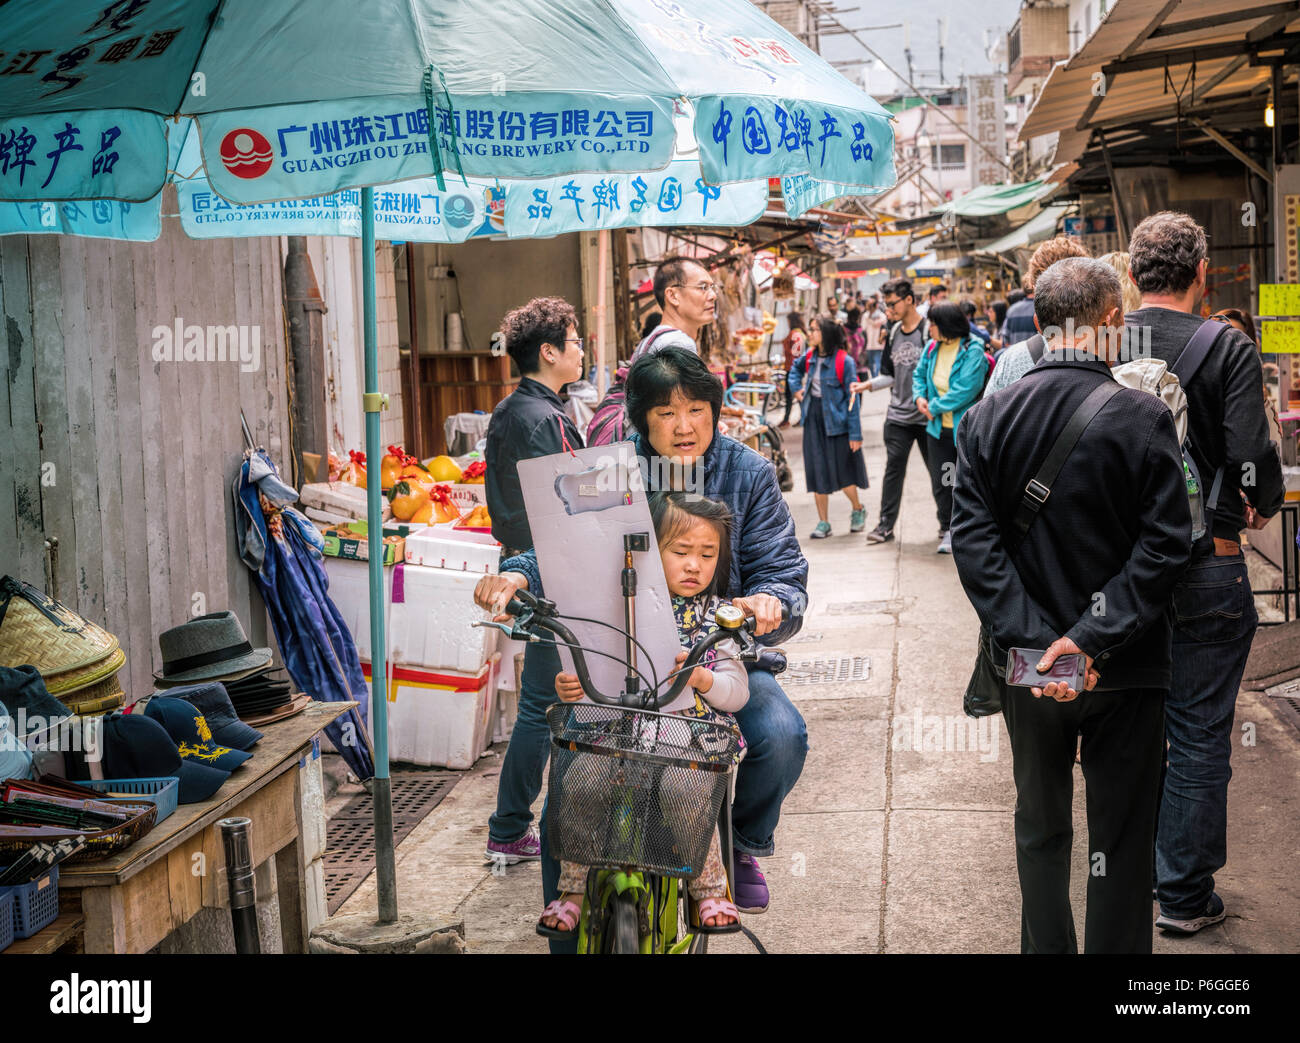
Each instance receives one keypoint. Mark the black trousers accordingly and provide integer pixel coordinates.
(899, 439)
(1123, 747)
(941, 455)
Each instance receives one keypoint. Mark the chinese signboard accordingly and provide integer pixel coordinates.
(986, 120)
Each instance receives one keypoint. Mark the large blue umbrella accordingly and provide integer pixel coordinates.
(284, 552)
(298, 99)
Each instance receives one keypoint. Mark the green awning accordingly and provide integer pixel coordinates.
(991, 200)
(1042, 226)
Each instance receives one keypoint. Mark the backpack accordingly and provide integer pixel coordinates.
(857, 343)
(840, 357)
(1168, 384)
(609, 422)
(925, 331)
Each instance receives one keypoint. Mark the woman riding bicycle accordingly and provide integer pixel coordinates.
(673, 405)
(694, 536)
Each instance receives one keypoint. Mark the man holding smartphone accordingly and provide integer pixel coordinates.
(1080, 562)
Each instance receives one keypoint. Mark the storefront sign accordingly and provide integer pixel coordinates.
(1279, 298)
(1282, 338)
(986, 120)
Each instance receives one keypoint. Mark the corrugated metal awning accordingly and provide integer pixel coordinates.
(1152, 58)
(1043, 226)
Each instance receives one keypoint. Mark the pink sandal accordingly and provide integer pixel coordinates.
(707, 907)
(566, 911)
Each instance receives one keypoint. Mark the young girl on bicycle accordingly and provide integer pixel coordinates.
(694, 536)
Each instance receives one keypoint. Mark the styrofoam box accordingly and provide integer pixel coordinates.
(475, 552)
(440, 718)
(431, 627)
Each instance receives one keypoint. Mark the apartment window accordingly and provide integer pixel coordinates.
(954, 156)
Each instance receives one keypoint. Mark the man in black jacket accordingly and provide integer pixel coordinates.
(542, 338)
(1214, 610)
(1093, 575)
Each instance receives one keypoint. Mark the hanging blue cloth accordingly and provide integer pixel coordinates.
(284, 553)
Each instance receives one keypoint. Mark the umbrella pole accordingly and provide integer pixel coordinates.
(381, 793)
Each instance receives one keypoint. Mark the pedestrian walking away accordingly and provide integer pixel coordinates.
(832, 430)
(542, 339)
(947, 381)
(1070, 494)
(1213, 607)
(905, 340)
(793, 346)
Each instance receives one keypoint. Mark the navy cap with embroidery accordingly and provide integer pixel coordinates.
(135, 747)
(189, 729)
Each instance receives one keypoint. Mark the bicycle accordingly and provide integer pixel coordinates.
(773, 445)
(668, 781)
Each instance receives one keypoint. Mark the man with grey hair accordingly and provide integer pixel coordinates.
(1070, 528)
(1214, 612)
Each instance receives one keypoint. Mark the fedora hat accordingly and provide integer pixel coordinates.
(206, 648)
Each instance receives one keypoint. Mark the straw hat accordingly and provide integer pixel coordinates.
(70, 651)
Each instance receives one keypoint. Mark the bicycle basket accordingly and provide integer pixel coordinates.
(634, 788)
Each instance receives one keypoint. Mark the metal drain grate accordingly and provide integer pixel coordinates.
(1287, 708)
(804, 638)
(350, 834)
(834, 670)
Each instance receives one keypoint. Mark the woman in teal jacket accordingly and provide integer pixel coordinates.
(946, 382)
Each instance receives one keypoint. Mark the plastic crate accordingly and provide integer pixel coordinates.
(6, 921)
(36, 903)
(164, 792)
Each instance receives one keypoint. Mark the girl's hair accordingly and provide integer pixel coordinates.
(999, 313)
(948, 321)
(675, 512)
(833, 338)
(854, 318)
(651, 323)
(795, 321)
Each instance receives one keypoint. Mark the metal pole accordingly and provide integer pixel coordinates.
(381, 791)
(239, 878)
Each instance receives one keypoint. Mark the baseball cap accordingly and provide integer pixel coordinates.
(138, 747)
(188, 728)
(213, 701)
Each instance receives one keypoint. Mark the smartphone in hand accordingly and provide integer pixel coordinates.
(1022, 669)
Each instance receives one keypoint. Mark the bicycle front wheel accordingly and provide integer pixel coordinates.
(622, 934)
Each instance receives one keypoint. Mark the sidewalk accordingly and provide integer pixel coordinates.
(890, 846)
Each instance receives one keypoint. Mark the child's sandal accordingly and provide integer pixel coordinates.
(567, 912)
(707, 907)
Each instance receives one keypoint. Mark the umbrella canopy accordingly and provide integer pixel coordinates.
(302, 99)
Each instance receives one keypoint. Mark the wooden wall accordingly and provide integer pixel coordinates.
(142, 452)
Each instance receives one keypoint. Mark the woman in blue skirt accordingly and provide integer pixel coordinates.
(832, 424)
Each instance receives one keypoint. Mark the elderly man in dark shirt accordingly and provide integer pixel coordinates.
(542, 338)
(1214, 611)
(1093, 575)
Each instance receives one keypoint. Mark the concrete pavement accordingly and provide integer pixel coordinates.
(898, 837)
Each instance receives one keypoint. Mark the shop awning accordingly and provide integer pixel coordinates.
(1043, 226)
(1150, 59)
(991, 200)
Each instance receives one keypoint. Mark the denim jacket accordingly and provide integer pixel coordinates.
(841, 411)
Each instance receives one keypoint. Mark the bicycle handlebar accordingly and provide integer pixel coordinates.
(531, 611)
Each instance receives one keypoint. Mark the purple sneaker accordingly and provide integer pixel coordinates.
(751, 885)
(527, 848)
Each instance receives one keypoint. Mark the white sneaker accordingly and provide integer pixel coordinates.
(945, 542)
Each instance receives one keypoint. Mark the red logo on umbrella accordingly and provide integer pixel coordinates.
(246, 153)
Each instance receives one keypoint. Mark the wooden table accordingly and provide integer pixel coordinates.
(132, 901)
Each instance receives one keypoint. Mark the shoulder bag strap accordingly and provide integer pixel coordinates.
(1039, 488)
(1036, 346)
(1197, 350)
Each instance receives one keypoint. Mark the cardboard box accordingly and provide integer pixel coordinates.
(351, 541)
(467, 496)
(452, 548)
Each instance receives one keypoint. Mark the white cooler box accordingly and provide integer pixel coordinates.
(441, 718)
(430, 627)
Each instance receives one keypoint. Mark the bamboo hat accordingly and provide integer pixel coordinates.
(69, 650)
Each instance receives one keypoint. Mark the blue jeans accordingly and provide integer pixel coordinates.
(530, 743)
(776, 741)
(873, 361)
(1214, 625)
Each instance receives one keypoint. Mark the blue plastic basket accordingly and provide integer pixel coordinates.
(164, 792)
(36, 903)
(6, 921)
